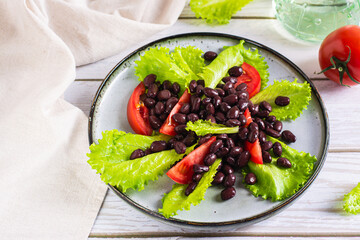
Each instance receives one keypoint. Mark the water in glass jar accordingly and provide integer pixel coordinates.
(313, 20)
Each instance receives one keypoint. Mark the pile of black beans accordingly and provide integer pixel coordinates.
(160, 99)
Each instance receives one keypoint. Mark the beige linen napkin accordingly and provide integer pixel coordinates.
(47, 190)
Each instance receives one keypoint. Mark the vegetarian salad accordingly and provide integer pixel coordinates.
(200, 117)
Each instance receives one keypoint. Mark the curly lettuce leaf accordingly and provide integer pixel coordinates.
(299, 94)
(280, 183)
(352, 201)
(219, 11)
(202, 127)
(218, 68)
(176, 200)
(180, 66)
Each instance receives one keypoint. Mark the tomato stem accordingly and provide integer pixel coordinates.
(341, 66)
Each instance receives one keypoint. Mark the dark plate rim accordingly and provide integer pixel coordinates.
(239, 222)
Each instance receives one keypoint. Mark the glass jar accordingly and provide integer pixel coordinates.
(313, 20)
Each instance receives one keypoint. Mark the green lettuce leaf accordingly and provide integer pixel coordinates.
(299, 94)
(176, 200)
(280, 183)
(180, 66)
(352, 201)
(218, 68)
(202, 127)
(219, 11)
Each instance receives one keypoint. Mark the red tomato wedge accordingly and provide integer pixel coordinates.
(182, 172)
(253, 148)
(138, 113)
(169, 125)
(252, 79)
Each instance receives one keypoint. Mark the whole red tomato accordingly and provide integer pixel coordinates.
(339, 55)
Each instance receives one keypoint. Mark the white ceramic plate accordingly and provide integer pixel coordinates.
(109, 112)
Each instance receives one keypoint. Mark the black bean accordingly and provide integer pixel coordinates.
(229, 180)
(231, 161)
(216, 101)
(283, 162)
(179, 118)
(220, 91)
(152, 112)
(210, 108)
(206, 101)
(222, 137)
(180, 128)
(255, 110)
(159, 108)
(243, 105)
(231, 99)
(260, 123)
(163, 116)
(243, 95)
(138, 153)
(209, 159)
(201, 82)
(251, 106)
(262, 136)
(192, 117)
(155, 122)
(211, 118)
(185, 108)
(195, 104)
(199, 90)
(152, 91)
(266, 157)
(220, 117)
(202, 114)
(143, 97)
(210, 55)
(252, 136)
(264, 105)
(234, 112)
(235, 71)
(148, 151)
(219, 178)
(171, 143)
(190, 139)
(263, 114)
(242, 134)
(282, 101)
(149, 79)
(266, 146)
(229, 79)
(241, 87)
(271, 119)
(277, 149)
(197, 177)
(250, 179)
(215, 146)
(220, 85)
(158, 146)
(222, 152)
(170, 103)
(272, 133)
(175, 88)
(228, 85)
(209, 92)
(243, 159)
(224, 107)
(227, 169)
(192, 86)
(253, 127)
(235, 151)
(228, 193)
(230, 143)
(232, 122)
(242, 119)
(190, 188)
(179, 137)
(179, 147)
(231, 91)
(288, 136)
(200, 168)
(149, 102)
(204, 139)
(277, 126)
(164, 95)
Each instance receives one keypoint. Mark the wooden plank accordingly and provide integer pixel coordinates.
(317, 213)
(267, 32)
(256, 8)
(341, 104)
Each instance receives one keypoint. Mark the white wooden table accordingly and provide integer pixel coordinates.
(318, 213)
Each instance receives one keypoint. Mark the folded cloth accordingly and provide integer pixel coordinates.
(47, 189)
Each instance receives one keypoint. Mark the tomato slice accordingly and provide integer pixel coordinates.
(253, 148)
(183, 171)
(252, 79)
(138, 113)
(169, 125)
